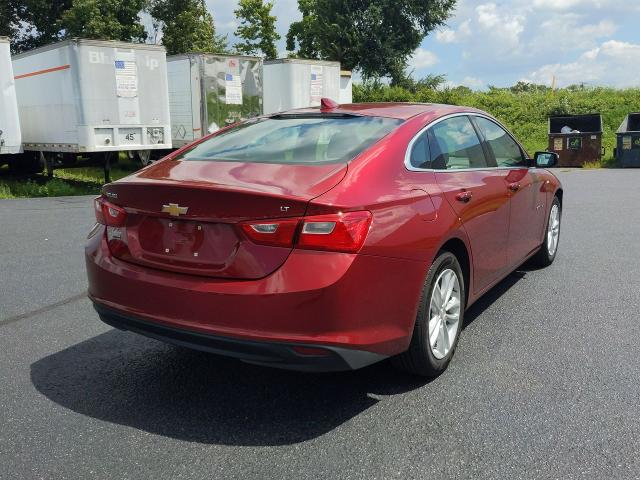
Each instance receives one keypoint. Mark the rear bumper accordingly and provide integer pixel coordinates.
(272, 354)
(363, 304)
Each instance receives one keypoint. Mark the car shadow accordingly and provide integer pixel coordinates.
(494, 294)
(127, 379)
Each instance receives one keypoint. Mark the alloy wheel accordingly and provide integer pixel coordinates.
(553, 230)
(444, 313)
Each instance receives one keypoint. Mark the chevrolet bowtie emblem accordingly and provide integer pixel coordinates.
(174, 209)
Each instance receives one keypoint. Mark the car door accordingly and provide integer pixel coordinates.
(523, 185)
(475, 191)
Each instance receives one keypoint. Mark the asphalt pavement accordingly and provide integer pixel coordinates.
(545, 382)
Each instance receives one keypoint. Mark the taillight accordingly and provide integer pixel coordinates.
(114, 217)
(339, 232)
(109, 214)
(276, 233)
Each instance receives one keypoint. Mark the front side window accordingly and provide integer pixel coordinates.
(455, 145)
(504, 148)
(312, 138)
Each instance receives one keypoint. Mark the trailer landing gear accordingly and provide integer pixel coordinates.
(107, 167)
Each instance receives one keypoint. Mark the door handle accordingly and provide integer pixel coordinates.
(464, 197)
(514, 187)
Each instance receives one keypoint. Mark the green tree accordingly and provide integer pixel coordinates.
(375, 37)
(187, 26)
(9, 18)
(431, 81)
(257, 28)
(32, 23)
(104, 19)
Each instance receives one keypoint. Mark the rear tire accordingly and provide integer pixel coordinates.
(547, 253)
(430, 350)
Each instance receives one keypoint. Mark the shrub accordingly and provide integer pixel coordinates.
(524, 108)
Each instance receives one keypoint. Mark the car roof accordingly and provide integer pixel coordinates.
(401, 111)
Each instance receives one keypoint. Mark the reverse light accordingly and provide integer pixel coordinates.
(114, 217)
(338, 232)
(318, 228)
(109, 214)
(277, 233)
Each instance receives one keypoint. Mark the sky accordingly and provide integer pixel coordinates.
(595, 42)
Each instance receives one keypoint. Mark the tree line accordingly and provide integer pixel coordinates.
(373, 37)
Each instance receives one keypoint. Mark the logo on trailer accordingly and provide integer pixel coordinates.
(174, 209)
(152, 63)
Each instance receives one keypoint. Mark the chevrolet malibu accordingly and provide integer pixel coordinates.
(324, 239)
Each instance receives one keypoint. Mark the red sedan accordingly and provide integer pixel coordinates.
(324, 239)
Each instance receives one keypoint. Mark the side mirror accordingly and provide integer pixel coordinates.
(546, 159)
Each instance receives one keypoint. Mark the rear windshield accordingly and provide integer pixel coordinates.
(294, 139)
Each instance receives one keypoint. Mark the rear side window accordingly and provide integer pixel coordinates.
(420, 152)
(455, 145)
(504, 148)
(286, 139)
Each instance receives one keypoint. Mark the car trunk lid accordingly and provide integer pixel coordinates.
(183, 216)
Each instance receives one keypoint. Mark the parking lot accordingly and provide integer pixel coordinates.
(545, 382)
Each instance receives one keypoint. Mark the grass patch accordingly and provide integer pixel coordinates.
(90, 174)
(54, 187)
(603, 163)
(83, 180)
(592, 165)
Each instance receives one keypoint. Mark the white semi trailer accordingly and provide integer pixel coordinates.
(346, 87)
(209, 91)
(10, 138)
(298, 83)
(92, 97)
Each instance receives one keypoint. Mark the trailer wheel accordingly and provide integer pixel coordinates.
(145, 157)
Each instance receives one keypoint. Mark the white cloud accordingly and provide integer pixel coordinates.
(613, 63)
(465, 28)
(585, 5)
(423, 59)
(500, 24)
(568, 33)
(501, 41)
(556, 4)
(448, 35)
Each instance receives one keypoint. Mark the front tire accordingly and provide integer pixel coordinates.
(439, 319)
(547, 253)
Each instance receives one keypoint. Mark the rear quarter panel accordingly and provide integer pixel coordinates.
(411, 218)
